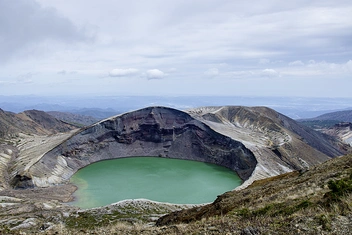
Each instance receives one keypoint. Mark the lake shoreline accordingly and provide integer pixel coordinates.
(156, 179)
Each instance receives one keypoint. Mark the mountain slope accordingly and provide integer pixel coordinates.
(7, 124)
(279, 143)
(76, 119)
(341, 116)
(335, 124)
(22, 135)
(32, 122)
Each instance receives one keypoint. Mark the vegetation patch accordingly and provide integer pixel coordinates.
(325, 221)
(339, 188)
(131, 214)
(275, 209)
(86, 220)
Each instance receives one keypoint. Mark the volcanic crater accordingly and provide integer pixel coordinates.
(152, 131)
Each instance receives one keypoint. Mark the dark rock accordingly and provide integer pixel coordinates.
(44, 227)
(22, 182)
(250, 231)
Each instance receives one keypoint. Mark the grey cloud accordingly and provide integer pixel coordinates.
(25, 22)
(275, 39)
(26, 76)
(62, 72)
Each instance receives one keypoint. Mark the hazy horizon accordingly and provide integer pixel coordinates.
(294, 107)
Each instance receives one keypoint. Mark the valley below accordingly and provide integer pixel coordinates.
(286, 168)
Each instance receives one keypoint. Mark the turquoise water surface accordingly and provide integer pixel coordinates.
(158, 179)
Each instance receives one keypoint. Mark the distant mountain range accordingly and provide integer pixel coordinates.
(341, 116)
(294, 107)
(328, 119)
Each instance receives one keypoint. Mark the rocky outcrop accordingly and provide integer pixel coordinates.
(342, 131)
(153, 131)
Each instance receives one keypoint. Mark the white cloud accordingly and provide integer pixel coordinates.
(296, 63)
(321, 69)
(269, 73)
(349, 65)
(155, 74)
(123, 72)
(212, 72)
(327, 68)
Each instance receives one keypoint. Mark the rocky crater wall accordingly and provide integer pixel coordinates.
(153, 131)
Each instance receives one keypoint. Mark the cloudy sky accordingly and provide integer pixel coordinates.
(176, 47)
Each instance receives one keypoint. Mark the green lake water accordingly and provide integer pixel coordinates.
(158, 179)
